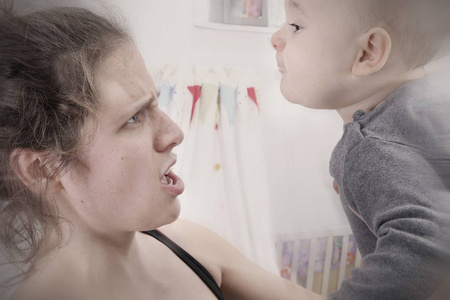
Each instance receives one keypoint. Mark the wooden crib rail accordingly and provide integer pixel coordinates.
(344, 232)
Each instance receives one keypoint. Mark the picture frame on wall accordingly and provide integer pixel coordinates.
(246, 12)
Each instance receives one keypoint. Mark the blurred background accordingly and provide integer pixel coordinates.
(254, 165)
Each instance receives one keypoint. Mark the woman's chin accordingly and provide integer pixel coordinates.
(175, 214)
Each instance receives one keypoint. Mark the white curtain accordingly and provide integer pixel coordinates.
(221, 159)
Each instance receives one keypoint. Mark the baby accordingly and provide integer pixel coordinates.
(365, 59)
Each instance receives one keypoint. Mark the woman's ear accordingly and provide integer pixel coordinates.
(375, 49)
(29, 166)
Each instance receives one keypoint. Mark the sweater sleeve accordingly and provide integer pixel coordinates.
(398, 195)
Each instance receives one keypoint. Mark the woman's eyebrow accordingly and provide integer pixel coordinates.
(135, 107)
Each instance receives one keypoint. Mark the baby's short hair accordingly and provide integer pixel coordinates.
(418, 28)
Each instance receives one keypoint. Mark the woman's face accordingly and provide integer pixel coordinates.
(123, 184)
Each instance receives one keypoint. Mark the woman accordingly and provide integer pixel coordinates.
(85, 173)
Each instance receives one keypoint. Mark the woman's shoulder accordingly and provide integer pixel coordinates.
(194, 237)
(183, 229)
(43, 286)
(203, 244)
(48, 279)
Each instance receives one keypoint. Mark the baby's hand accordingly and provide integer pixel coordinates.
(335, 187)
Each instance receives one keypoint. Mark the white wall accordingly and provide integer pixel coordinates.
(298, 141)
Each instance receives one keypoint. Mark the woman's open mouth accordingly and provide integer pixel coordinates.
(172, 183)
(167, 179)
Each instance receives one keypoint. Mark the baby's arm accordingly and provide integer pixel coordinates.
(396, 193)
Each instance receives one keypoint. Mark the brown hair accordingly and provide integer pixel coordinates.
(48, 63)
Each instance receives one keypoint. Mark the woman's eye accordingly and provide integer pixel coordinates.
(297, 27)
(133, 120)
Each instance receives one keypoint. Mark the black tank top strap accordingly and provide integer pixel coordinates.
(190, 261)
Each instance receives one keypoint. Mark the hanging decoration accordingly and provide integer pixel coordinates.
(196, 92)
(165, 95)
(208, 96)
(228, 97)
(252, 94)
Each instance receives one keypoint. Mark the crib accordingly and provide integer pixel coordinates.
(333, 252)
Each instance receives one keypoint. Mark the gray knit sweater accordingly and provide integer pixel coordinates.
(392, 167)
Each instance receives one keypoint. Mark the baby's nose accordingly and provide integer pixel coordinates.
(275, 40)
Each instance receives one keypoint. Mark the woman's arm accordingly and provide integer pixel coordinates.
(239, 277)
(243, 279)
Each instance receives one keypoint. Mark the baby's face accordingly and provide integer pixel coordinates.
(315, 53)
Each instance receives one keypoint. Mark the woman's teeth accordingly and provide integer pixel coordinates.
(167, 177)
(169, 180)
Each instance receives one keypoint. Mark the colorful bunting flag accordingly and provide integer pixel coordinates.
(208, 96)
(196, 92)
(252, 94)
(228, 97)
(165, 95)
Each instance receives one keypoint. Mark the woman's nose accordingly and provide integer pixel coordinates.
(168, 135)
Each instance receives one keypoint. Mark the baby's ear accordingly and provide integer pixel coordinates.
(29, 166)
(375, 48)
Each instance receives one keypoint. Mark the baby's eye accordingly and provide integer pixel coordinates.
(297, 27)
(132, 120)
